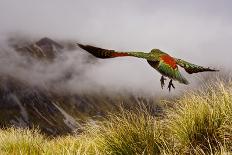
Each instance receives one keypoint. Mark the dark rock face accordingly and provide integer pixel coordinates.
(27, 106)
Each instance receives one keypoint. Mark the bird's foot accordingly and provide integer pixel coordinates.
(170, 85)
(162, 81)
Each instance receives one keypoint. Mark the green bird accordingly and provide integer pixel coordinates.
(165, 64)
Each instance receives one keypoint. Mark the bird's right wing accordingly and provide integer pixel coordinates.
(192, 68)
(106, 53)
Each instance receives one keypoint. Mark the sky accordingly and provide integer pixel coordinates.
(195, 30)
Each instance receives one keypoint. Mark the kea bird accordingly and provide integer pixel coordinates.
(165, 64)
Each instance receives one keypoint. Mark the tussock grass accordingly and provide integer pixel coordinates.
(199, 122)
(21, 141)
(202, 120)
(130, 132)
(72, 145)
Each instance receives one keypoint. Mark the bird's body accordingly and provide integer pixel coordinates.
(165, 64)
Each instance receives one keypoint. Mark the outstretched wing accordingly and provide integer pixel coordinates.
(192, 68)
(106, 53)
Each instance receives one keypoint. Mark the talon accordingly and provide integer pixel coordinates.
(170, 85)
(162, 81)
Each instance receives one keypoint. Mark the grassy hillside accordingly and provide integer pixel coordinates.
(199, 122)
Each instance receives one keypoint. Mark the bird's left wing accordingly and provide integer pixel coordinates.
(106, 53)
(192, 68)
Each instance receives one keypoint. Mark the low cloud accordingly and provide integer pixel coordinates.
(197, 31)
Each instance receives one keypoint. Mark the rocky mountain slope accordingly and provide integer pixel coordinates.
(54, 113)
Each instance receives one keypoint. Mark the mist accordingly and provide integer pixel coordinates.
(199, 32)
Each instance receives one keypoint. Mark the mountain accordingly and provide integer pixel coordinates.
(53, 112)
(44, 48)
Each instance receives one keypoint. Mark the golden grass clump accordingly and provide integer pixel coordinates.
(130, 132)
(202, 120)
(21, 141)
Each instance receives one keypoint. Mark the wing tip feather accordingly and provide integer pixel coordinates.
(81, 45)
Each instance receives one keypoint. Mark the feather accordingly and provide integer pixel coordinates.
(98, 52)
(192, 68)
(106, 53)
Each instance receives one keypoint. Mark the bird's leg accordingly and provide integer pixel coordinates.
(162, 81)
(170, 85)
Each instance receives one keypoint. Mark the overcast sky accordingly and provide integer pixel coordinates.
(196, 30)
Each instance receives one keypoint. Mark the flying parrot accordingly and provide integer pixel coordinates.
(165, 64)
